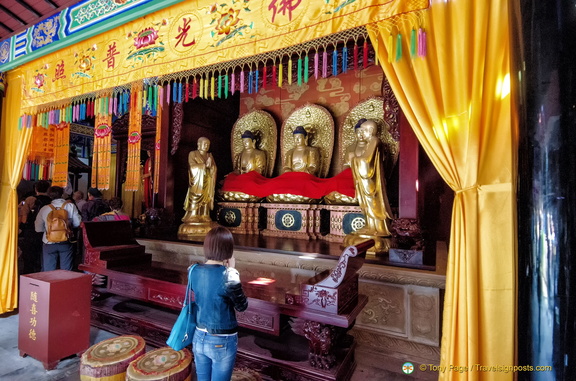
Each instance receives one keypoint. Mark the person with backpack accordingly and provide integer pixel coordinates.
(95, 205)
(30, 241)
(55, 221)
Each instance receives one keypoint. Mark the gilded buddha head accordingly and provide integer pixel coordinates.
(300, 136)
(248, 140)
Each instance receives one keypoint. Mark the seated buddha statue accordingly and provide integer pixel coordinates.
(250, 158)
(302, 158)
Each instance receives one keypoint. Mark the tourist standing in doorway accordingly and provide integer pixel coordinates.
(30, 241)
(57, 251)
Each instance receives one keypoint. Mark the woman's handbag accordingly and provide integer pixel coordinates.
(183, 330)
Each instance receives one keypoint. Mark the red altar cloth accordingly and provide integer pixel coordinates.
(296, 183)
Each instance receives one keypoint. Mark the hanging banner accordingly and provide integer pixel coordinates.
(61, 151)
(184, 37)
(134, 139)
(102, 151)
(156, 171)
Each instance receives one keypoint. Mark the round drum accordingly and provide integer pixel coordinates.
(109, 359)
(161, 364)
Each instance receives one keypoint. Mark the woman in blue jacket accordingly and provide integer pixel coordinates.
(217, 292)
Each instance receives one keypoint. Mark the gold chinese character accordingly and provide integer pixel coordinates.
(32, 334)
(33, 309)
(34, 296)
(33, 321)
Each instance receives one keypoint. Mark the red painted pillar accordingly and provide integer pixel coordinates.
(408, 170)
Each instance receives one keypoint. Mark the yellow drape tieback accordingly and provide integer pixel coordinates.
(498, 187)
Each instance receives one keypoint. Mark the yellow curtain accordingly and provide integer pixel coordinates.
(457, 101)
(14, 151)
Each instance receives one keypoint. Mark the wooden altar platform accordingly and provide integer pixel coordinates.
(144, 297)
(401, 320)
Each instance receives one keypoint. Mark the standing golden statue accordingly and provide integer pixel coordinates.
(200, 197)
(302, 158)
(251, 158)
(366, 159)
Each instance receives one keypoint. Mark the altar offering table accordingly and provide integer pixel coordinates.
(294, 325)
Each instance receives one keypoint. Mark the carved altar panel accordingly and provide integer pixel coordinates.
(319, 124)
(424, 315)
(344, 219)
(239, 217)
(263, 321)
(300, 221)
(386, 310)
(133, 290)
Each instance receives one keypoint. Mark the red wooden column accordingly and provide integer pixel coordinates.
(408, 170)
(165, 197)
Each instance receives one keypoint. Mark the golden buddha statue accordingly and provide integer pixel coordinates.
(251, 158)
(366, 159)
(302, 158)
(200, 197)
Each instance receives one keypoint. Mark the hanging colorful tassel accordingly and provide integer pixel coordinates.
(256, 75)
(220, 86)
(155, 100)
(413, 43)
(194, 88)
(226, 86)
(398, 47)
(421, 42)
(365, 54)
(345, 60)
(241, 81)
(355, 55)
(250, 77)
(335, 62)
(300, 71)
(206, 87)
(324, 64)
(316, 65)
(274, 78)
(180, 90)
(264, 76)
(280, 71)
(168, 93)
(144, 99)
(290, 71)
(306, 69)
(233, 84)
(390, 48)
(212, 87)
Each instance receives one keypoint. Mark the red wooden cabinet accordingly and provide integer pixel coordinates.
(54, 315)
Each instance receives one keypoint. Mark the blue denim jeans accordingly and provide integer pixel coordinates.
(53, 253)
(214, 356)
